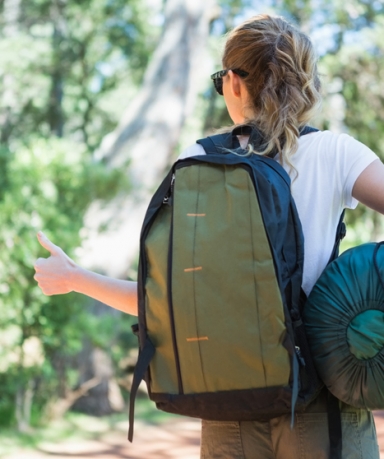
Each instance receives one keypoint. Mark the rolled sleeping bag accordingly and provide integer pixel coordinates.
(344, 320)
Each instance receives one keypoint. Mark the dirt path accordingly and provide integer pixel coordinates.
(172, 440)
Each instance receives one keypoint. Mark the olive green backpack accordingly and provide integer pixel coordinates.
(219, 289)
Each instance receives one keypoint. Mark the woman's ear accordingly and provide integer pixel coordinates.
(235, 84)
(235, 96)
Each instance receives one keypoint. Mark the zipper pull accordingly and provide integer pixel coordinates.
(168, 198)
(300, 356)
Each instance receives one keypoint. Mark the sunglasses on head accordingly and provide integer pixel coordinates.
(218, 78)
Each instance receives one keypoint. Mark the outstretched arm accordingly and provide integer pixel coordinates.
(59, 274)
(369, 186)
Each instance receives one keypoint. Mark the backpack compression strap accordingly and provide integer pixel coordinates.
(333, 407)
(341, 231)
(145, 356)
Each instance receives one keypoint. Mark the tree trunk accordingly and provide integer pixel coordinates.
(104, 397)
(148, 133)
(55, 108)
(143, 144)
(23, 406)
(56, 408)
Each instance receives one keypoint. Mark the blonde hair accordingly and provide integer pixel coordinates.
(283, 82)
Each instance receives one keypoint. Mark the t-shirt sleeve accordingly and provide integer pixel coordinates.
(194, 150)
(353, 158)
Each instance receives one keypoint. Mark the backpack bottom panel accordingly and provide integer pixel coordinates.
(242, 405)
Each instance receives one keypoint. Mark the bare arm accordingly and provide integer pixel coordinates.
(369, 186)
(117, 293)
(59, 274)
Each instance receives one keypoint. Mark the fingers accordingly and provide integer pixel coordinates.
(37, 278)
(49, 286)
(43, 287)
(46, 243)
(38, 264)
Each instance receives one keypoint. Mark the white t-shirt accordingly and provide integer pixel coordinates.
(328, 165)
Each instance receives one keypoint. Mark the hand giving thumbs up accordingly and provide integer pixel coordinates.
(54, 274)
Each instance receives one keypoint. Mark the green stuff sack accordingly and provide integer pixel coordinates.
(344, 319)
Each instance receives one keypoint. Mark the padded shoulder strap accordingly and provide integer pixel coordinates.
(208, 145)
(216, 143)
(307, 130)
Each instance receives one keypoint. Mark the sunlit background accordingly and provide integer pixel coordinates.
(98, 97)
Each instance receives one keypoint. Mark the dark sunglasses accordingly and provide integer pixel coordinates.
(218, 78)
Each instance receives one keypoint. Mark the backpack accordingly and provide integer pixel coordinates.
(219, 289)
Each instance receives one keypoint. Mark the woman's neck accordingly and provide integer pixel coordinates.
(243, 140)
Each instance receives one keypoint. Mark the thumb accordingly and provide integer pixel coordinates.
(46, 243)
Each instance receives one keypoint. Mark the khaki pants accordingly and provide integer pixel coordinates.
(308, 439)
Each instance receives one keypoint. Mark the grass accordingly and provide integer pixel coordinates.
(77, 426)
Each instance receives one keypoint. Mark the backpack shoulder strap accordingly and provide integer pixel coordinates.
(216, 143)
(341, 231)
(307, 130)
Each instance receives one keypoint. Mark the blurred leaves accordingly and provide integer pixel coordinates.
(64, 58)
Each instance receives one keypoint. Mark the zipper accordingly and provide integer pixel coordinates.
(168, 197)
(168, 200)
(143, 271)
(300, 356)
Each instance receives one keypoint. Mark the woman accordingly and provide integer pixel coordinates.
(270, 80)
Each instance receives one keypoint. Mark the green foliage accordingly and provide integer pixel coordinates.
(68, 61)
(7, 411)
(49, 184)
(357, 68)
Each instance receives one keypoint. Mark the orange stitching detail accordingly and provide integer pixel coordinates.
(202, 338)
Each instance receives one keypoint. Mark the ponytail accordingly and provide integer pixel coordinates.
(283, 83)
